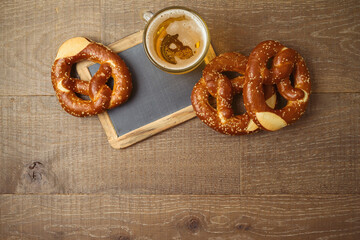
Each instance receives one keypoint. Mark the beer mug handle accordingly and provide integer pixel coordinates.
(146, 15)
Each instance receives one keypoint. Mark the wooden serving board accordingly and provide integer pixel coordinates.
(159, 100)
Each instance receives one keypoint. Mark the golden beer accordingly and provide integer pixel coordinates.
(176, 40)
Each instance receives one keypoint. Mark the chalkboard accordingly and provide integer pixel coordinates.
(158, 101)
(155, 93)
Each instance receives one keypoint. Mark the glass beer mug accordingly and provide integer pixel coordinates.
(175, 39)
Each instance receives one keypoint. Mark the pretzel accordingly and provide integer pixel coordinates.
(101, 96)
(214, 83)
(286, 62)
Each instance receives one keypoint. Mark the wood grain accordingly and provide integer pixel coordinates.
(301, 147)
(44, 151)
(30, 34)
(324, 32)
(179, 217)
(317, 154)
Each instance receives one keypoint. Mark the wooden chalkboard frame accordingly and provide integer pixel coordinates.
(147, 130)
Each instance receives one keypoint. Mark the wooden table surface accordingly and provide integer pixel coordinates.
(60, 179)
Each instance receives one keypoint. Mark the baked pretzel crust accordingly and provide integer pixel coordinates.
(101, 96)
(216, 84)
(286, 62)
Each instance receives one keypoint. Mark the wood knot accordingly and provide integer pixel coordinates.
(123, 238)
(33, 165)
(38, 178)
(193, 224)
(36, 174)
(243, 227)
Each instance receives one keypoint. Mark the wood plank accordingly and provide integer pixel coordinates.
(317, 154)
(30, 34)
(324, 32)
(295, 160)
(179, 217)
(76, 156)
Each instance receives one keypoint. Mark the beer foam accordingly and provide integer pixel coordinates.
(191, 30)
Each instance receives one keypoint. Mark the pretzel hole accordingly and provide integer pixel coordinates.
(269, 63)
(110, 83)
(231, 74)
(73, 72)
(292, 79)
(281, 102)
(238, 104)
(212, 101)
(84, 97)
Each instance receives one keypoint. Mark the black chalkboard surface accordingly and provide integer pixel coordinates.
(159, 100)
